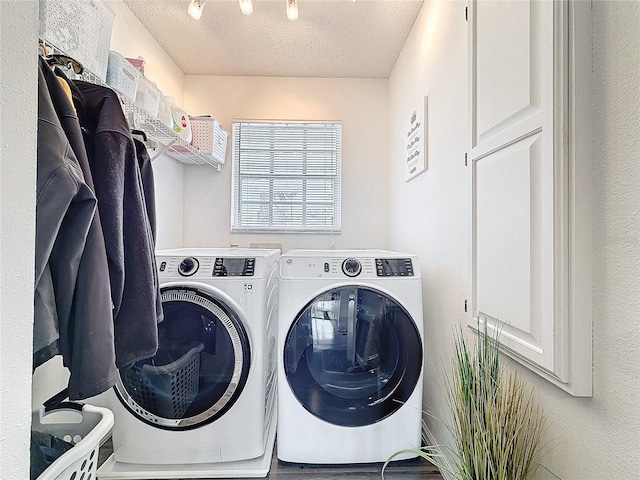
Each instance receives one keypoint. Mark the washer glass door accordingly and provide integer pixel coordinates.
(353, 356)
(200, 368)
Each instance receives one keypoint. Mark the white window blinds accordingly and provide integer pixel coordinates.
(286, 176)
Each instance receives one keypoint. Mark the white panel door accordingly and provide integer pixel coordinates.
(514, 255)
(522, 182)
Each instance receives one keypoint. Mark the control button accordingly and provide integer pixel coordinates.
(188, 267)
(351, 267)
(163, 266)
(326, 267)
(217, 267)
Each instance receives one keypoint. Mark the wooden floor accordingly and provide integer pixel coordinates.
(415, 469)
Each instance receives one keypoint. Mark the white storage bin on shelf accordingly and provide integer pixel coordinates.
(148, 96)
(209, 137)
(86, 426)
(122, 76)
(86, 40)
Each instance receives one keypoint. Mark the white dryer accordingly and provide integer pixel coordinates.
(350, 356)
(208, 395)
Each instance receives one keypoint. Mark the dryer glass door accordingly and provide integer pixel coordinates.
(353, 356)
(200, 368)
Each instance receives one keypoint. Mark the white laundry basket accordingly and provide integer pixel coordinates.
(86, 426)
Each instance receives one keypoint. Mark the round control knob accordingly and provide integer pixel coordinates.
(188, 267)
(351, 267)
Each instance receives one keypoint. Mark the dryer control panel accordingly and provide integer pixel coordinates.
(394, 267)
(346, 267)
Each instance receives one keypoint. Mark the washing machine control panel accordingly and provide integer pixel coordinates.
(234, 267)
(206, 267)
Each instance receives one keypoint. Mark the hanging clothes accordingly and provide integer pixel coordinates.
(148, 184)
(125, 223)
(73, 311)
(148, 187)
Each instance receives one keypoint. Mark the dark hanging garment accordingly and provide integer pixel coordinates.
(72, 298)
(148, 187)
(148, 184)
(65, 207)
(127, 233)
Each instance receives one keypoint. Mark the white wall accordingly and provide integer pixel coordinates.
(169, 180)
(588, 438)
(18, 119)
(361, 105)
(433, 62)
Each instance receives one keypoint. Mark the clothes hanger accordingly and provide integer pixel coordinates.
(57, 59)
(142, 133)
(65, 61)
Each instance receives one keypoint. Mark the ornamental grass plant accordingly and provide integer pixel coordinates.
(496, 424)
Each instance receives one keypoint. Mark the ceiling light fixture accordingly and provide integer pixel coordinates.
(246, 6)
(292, 9)
(195, 9)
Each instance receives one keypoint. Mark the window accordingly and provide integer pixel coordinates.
(286, 176)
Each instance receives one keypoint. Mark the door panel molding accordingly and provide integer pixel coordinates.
(510, 81)
(513, 255)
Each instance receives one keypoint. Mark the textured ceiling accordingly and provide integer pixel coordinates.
(331, 38)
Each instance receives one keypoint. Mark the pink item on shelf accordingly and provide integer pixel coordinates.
(138, 63)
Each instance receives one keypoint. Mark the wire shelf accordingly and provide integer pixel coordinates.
(167, 141)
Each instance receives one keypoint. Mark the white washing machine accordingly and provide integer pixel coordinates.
(350, 356)
(208, 395)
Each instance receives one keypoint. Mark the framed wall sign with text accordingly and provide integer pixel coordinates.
(415, 156)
